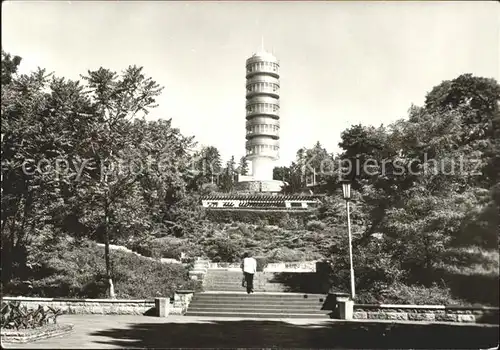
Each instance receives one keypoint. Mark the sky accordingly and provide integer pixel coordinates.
(341, 63)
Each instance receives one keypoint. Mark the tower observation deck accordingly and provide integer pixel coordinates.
(262, 114)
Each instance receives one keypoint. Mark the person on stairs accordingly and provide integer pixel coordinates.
(249, 267)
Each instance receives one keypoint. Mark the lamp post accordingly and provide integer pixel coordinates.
(346, 189)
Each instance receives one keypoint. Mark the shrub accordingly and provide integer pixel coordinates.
(273, 217)
(164, 247)
(140, 278)
(289, 223)
(244, 229)
(399, 293)
(315, 225)
(284, 254)
(223, 250)
(78, 271)
(15, 316)
(261, 263)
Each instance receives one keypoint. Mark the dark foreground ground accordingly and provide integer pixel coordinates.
(94, 331)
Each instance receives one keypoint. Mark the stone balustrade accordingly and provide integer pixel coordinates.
(199, 269)
(300, 266)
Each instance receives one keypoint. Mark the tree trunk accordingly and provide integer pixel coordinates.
(111, 288)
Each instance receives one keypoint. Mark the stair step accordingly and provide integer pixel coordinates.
(263, 308)
(261, 300)
(245, 305)
(270, 301)
(255, 314)
(244, 296)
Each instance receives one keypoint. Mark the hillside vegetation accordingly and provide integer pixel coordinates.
(79, 160)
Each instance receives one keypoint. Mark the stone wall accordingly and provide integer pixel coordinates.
(181, 302)
(428, 313)
(178, 305)
(89, 306)
(29, 335)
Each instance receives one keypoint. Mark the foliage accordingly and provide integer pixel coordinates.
(285, 254)
(243, 166)
(249, 216)
(223, 249)
(15, 316)
(165, 247)
(261, 263)
(74, 269)
(432, 197)
(399, 293)
(207, 167)
(109, 175)
(288, 222)
(314, 225)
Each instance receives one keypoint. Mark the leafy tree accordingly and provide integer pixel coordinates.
(243, 166)
(207, 166)
(228, 177)
(9, 67)
(116, 99)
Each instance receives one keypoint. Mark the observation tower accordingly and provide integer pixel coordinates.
(262, 114)
(262, 121)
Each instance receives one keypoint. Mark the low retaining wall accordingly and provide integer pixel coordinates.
(28, 335)
(178, 305)
(428, 313)
(89, 306)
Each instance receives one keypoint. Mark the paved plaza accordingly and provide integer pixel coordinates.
(96, 331)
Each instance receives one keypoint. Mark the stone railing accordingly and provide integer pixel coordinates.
(428, 313)
(301, 266)
(181, 301)
(199, 270)
(224, 266)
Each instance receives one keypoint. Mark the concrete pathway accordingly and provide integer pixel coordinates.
(98, 331)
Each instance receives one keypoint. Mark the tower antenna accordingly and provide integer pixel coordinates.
(262, 43)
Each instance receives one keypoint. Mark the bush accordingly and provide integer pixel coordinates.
(284, 254)
(164, 247)
(270, 217)
(289, 223)
(315, 225)
(399, 293)
(15, 316)
(244, 229)
(261, 263)
(78, 271)
(223, 250)
(140, 278)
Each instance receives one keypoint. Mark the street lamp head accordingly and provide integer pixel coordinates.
(346, 189)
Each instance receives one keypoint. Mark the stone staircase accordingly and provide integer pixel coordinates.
(230, 281)
(258, 305)
(225, 296)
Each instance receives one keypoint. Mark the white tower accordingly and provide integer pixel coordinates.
(262, 114)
